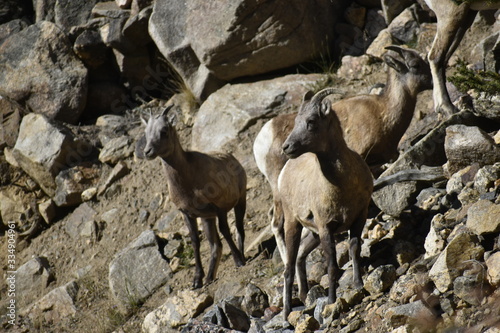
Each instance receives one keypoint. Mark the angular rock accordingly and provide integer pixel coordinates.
(69, 13)
(493, 265)
(116, 149)
(234, 108)
(236, 318)
(392, 8)
(47, 210)
(39, 70)
(71, 183)
(109, 9)
(13, 204)
(354, 67)
(429, 150)
(470, 288)
(44, 155)
(450, 262)
(412, 313)
(57, 304)
(408, 286)
(307, 324)
(44, 10)
(483, 217)
(485, 177)
(136, 27)
(254, 301)
(377, 47)
(380, 279)
(90, 48)
(31, 280)
(120, 170)
(137, 271)
(404, 28)
(435, 241)
(176, 311)
(79, 219)
(10, 119)
(245, 38)
(465, 145)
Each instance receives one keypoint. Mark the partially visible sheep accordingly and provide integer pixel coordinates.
(453, 20)
(325, 187)
(200, 185)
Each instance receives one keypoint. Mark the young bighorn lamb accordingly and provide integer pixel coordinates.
(325, 187)
(200, 185)
(453, 20)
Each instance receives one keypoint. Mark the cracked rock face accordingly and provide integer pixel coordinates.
(212, 42)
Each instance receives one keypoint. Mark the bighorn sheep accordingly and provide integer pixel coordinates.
(453, 20)
(200, 185)
(325, 187)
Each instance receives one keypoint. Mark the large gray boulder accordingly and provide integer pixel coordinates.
(43, 149)
(39, 70)
(138, 271)
(233, 108)
(210, 43)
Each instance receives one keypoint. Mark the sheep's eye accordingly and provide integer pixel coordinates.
(164, 132)
(311, 125)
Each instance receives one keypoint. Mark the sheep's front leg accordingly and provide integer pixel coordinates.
(292, 241)
(278, 230)
(239, 216)
(195, 241)
(238, 257)
(355, 248)
(328, 243)
(215, 247)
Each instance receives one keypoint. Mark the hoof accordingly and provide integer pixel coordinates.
(197, 284)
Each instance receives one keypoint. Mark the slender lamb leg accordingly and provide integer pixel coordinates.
(308, 243)
(292, 241)
(195, 240)
(239, 215)
(328, 244)
(215, 247)
(355, 248)
(277, 224)
(239, 260)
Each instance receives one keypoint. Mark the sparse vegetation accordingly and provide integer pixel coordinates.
(466, 79)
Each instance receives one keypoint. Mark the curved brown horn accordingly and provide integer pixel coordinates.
(320, 95)
(165, 111)
(395, 48)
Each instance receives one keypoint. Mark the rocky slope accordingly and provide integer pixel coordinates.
(96, 244)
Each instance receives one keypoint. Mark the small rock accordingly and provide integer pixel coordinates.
(412, 313)
(465, 145)
(314, 293)
(493, 264)
(449, 264)
(120, 170)
(76, 222)
(57, 304)
(483, 218)
(407, 286)
(236, 318)
(31, 280)
(307, 324)
(485, 177)
(89, 194)
(332, 311)
(380, 279)
(116, 149)
(470, 288)
(254, 301)
(47, 210)
(72, 182)
(176, 311)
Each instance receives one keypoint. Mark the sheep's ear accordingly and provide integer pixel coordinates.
(394, 63)
(307, 96)
(326, 107)
(172, 118)
(144, 121)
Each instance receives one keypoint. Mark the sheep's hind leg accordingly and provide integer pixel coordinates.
(195, 241)
(326, 235)
(239, 260)
(355, 249)
(215, 247)
(239, 215)
(308, 243)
